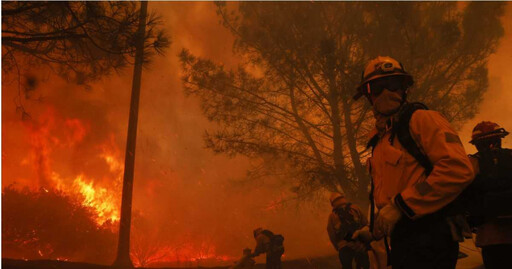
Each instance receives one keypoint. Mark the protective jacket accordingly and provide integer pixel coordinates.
(262, 244)
(269, 243)
(494, 176)
(334, 224)
(397, 175)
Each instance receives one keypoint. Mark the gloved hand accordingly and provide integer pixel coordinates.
(388, 216)
(356, 246)
(364, 235)
(341, 244)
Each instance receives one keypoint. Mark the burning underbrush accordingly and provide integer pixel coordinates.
(65, 202)
(52, 224)
(62, 173)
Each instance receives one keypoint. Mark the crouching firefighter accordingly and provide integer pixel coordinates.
(271, 244)
(344, 220)
(418, 169)
(490, 198)
(246, 262)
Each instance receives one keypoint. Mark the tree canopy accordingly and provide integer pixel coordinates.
(82, 40)
(290, 97)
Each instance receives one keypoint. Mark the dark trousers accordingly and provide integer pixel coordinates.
(497, 256)
(273, 260)
(347, 255)
(425, 243)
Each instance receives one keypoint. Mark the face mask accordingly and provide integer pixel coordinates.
(388, 102)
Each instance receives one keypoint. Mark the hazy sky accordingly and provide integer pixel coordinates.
(497, 103)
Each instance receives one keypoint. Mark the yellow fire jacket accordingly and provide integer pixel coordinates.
(397, 175)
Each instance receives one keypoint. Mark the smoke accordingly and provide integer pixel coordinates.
(496, 104)
(185, 197)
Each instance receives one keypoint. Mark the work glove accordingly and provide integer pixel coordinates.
(254, 254)
(356, 246)
(364, 235)
(388, 216)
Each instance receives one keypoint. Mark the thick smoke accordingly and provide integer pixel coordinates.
(185, 197)
(496, 104)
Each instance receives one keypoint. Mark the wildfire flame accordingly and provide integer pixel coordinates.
(51, 135)
(186, 255)
(98, 198)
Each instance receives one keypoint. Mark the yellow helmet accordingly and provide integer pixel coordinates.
(382, 66)
(335, 196)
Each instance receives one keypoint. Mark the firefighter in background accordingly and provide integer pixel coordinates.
(271, 244)
(246, 262)
(418, 168)
(344, 220)
(491, 195)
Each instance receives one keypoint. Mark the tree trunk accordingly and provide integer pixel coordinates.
(363, 178)
(333, 97)
(339, 163)
(123, 248)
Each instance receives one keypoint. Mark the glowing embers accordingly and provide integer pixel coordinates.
(189, 254)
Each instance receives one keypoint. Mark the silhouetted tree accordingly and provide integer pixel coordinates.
(79, 40)
(290, 97)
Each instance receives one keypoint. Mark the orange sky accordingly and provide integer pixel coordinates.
(180, 186)
(497, 103)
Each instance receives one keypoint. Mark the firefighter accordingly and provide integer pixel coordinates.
(491, 208)
(344, 220)
(418, 168)
(271, 244)
(246, 262)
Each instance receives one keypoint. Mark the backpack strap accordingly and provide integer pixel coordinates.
(401, 130)
(373, 142)
(403, 133)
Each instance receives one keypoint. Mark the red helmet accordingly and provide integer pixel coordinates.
(487, 129)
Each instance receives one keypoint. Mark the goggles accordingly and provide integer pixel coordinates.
(376, 87)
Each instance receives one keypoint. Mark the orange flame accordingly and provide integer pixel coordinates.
(98, 198)
(51, 132)
(51, 135)
(188, 254)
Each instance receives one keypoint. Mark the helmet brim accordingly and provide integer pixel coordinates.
(499, 135)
